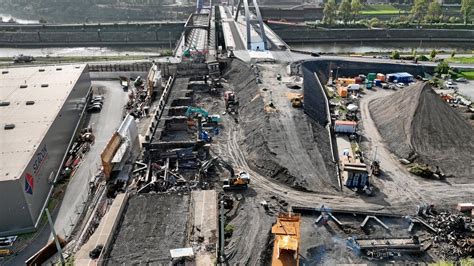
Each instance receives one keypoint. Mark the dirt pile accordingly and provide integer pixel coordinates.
(290, 148)
(417, 124)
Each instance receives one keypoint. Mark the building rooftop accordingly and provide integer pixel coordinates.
(30, 100)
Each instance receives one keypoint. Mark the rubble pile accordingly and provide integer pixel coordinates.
(138, 99)
(453, 239)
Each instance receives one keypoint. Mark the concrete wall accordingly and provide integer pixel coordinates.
(302, 34)
(89, 35)
(24, 209)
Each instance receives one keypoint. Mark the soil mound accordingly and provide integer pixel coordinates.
(266, 141)
(417, 124)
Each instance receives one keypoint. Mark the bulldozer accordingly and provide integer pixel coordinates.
(234, 182)
(375, 167)
(231, 101)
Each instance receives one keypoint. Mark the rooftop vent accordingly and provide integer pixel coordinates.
(4, 72)
(23, 86)
(44, 85)
(41, 70)
(59, 69)
(9, 126)
(4, 103)
(30, 102)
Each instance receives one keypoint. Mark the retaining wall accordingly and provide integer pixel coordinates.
(303, 34)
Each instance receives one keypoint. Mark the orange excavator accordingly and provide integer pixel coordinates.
(287, 240)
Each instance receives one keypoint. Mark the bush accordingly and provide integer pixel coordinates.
(395, 54)
(228, 230)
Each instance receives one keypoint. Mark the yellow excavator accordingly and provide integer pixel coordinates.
(234, 182)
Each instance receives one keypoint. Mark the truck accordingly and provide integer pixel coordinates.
(21, 58)
(230, 101)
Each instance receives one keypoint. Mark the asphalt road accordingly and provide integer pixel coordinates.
(103, 125)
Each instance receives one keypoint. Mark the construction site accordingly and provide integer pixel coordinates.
(238, 150)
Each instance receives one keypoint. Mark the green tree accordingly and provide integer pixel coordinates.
(433, 54)
(442, 68)
(467, 7)
(356, 6)
(396, 54)
(329, 12)
(344, 11)
(434, 12)
(418, 10)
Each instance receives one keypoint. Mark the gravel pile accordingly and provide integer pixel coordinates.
(268, 148)
(418, 125)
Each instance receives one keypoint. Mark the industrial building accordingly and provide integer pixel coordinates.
(40, 111)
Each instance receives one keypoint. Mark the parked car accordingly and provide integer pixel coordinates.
(400, 85)
(461, 79)
(94, 108)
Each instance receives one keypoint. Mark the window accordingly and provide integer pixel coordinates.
(23, 86)
(9, 126)
(30, 102)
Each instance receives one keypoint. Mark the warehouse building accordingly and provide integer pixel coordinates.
(40, 110)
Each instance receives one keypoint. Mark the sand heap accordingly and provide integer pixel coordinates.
(417, 123)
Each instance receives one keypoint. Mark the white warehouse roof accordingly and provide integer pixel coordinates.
(46, 89)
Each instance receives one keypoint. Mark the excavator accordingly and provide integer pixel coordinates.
(234, 182)
(198, 110)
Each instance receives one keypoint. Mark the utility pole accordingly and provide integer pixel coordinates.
(56, 240)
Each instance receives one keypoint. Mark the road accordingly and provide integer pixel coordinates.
(103, 125)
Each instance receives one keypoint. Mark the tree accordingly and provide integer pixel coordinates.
(433, 54)
(329, 12)
(344, 10)
(418, 9)
(356, 6)
(396, 54)
(467, 7)
(442, 68)
(434, 12)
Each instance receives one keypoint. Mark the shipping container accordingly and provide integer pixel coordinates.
(345, 126)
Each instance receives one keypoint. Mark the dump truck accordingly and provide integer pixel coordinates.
(286, 244)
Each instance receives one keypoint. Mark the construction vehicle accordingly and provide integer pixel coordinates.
(198, 110)
(287, 240)
(194, 54)
(234, 182)
(231, 101)
(21, 58)
(375, 167)
(297, 101)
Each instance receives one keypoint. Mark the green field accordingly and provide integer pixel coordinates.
(380, 10)
(462, 60)
(468, 74)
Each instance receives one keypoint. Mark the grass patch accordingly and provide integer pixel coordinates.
(468, 74)
(462, 60)
(380, 10)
